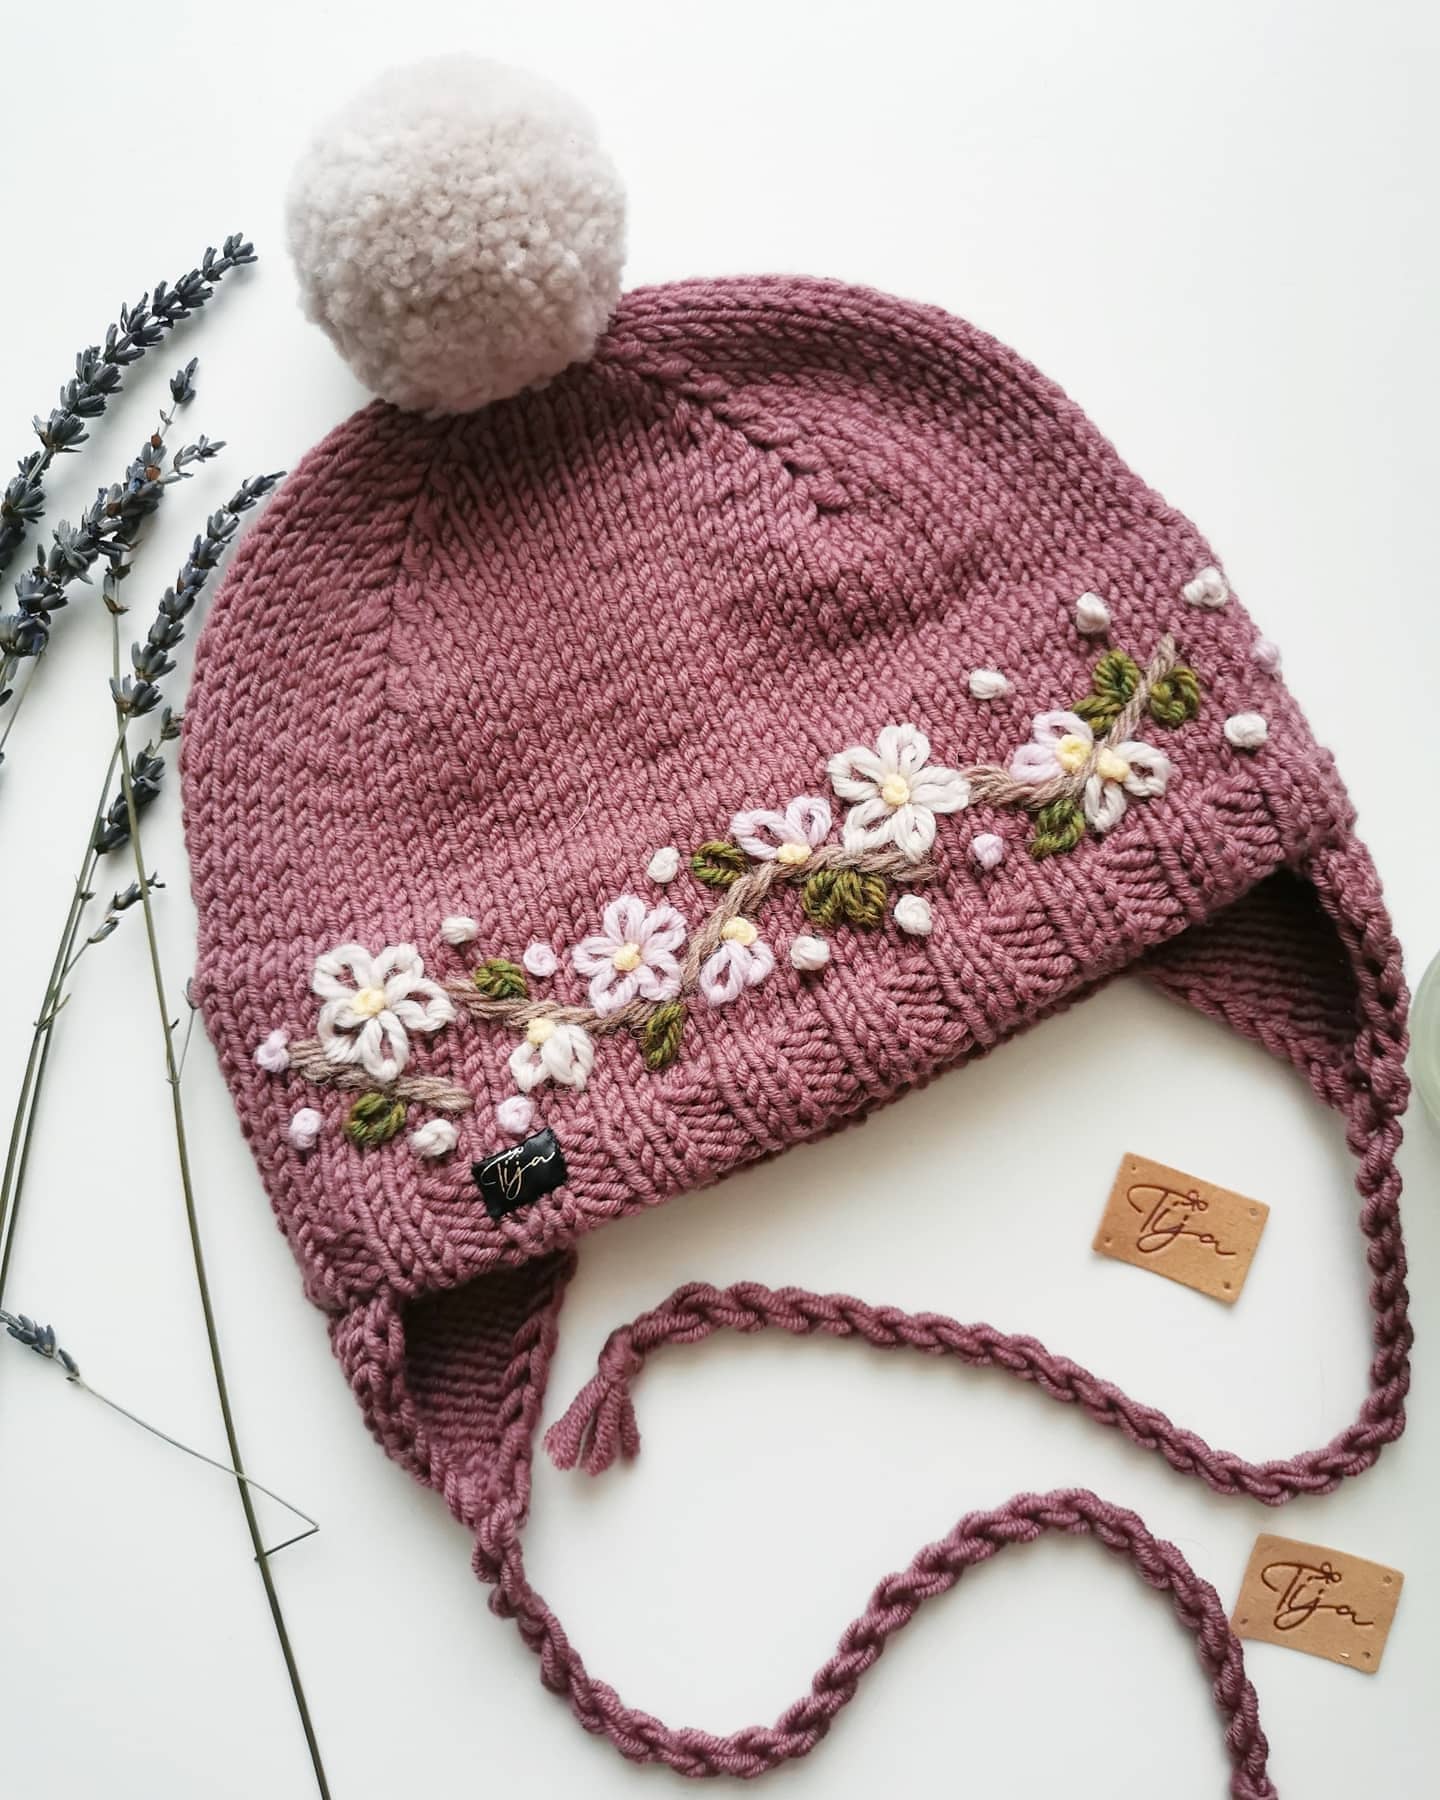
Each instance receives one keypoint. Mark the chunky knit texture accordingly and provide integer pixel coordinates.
(471, 680)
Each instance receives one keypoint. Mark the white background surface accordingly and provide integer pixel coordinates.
(1215, 226)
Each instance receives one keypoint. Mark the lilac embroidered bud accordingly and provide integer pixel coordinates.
(987, 850)
(305, 1128)
(515, 1115)
(540, 959)
(1266, 655)
(272, 1055)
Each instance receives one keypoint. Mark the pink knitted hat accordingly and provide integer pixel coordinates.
(596, 792)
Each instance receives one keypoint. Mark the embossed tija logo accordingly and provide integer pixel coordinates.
(513, 1178)
(1321, 1601)
(1177, 1225)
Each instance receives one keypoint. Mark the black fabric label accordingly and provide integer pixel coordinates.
(513, 1178)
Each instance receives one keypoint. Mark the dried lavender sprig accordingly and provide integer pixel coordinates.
(137, 694)
(31, 1335)
(106, 533)
(187, 1186)
(22, 1125)
(99, 375)
(106, 530)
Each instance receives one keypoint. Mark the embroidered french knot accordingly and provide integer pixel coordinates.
(514, 1178)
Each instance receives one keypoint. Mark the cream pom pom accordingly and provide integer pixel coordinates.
(458, 232)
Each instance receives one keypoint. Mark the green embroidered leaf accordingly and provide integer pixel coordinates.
(844, 897)
(498, 979)
(374, 1119)
(1114, 681)
(1058, 827)
(661, 1033)
(717, 863)
(1175, 698)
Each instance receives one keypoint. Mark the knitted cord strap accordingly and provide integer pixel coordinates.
(600, 1425)
(894, 1603)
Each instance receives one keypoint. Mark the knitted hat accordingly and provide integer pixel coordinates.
(596, 792)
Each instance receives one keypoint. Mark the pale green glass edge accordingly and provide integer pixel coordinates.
(1425, 1039)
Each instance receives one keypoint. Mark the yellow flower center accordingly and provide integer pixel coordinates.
(895, 790)
(626, 958)
(1110, 766)
(1071, 752)
(793, 853)
(368, 1002)
(538, 1030)
(739, 931)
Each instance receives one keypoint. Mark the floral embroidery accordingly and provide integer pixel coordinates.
(896, 791)
(741, 959)
(1063, 744)
(633, 954)
(1079, 772)
(786, 837)
(1084, 765)
(552, 1051)
(367, 1020)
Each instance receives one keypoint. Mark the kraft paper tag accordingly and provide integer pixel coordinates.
(1177, 1225)
(1305, 1597)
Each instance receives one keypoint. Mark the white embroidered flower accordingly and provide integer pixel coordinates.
(786, 837)
(741, 959)
(434, 1139)
(304, 1128)
(1062, 743)
(553, 1051)
(368, 1018)
(896, 791)
(633, 954)
(272, 1054)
